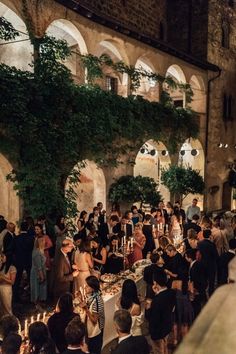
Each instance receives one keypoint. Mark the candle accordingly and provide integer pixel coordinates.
(125, 229)
(161, 225)
(32, 320)
(38, 316)
(81, 292)
(26, 328)
(116, 245)
(128, 245)
(158, 227)
(124, 240)
(44, 316)
(19, 331)
(166, 227)
(153, 227)
(132, 242)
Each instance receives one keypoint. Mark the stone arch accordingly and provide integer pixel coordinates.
(10, 204)
(176, 73)
(112, 81)
(198, 103)
(66, 30)
(16, 52)
(152, 157)
(149, 88)
(192, 154)
(92, 187)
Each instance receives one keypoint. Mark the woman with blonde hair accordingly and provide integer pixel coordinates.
(38, 283)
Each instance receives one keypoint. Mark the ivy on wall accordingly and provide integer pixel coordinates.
(48, 124)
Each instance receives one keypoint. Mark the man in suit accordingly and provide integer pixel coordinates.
(22, 247)
(164, 213)
(193, 224)
(160, 313)
(75, 337)
(209, 258)
(64, 273)
(126, 342)
(8, 241)
(224, 260)
(105, 231)
(123, 228)
(197, 281)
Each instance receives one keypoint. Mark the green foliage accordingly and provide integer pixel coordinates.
(132, 189)
(182, 181)
(7, 31)
(48, 124)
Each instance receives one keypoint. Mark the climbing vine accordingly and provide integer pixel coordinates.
(48, 124)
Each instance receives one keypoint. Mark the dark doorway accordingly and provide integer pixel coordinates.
(226, 196)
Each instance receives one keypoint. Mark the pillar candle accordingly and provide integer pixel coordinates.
(44, 316)
(38, 316)
(26, 328)
(32, 319)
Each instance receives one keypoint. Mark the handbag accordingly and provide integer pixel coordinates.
(93, 329)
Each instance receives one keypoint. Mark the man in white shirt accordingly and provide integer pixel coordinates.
(193, 210)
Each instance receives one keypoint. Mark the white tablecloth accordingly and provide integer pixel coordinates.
(109, 304)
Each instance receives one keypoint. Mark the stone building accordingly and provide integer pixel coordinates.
(191, 41)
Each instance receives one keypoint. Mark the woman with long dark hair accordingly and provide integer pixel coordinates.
(39, 339)
(58, 322)
(129, 301)
(99, 255)
(7, 279)
(81, 224)
(84, 263)
(176, 224)
(94, 307)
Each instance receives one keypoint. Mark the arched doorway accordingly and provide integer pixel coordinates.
(17, 52)
(66, 30)
(192, 154)
(9, 206)
(177, 95)
(92, 187)
(151, 159)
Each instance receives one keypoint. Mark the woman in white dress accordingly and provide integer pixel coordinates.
(176, 225)
(7, 279)
(84, 263)
(129, 301)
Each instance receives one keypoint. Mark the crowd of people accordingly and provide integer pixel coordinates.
(189, 255)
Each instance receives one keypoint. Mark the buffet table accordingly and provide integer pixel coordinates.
(110, 301)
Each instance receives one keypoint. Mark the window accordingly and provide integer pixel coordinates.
(112, 84)
(227, 107)
(161, 32)
(178, 103)
(231, 3)
(225, 35)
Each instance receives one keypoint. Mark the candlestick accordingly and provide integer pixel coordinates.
(26, 328)
(44, 316)
(38, 316)
(32, 320)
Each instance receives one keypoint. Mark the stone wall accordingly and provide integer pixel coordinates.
(142, 16)
(220, 130)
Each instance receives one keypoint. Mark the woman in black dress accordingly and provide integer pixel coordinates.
(148, 233)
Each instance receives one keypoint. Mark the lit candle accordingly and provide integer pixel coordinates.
(44, 316)
(166, 227)
(38, 316)
(26, 328)
(153, 227)
(158, 227)
(132, 242)
(32, 320)
(81, 292)
(161, 225)
(128, 245)
(124, 240)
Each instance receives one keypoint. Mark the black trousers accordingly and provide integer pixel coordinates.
(95, 344)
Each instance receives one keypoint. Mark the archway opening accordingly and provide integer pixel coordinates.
(10, 205)
(151, 159)
(92, 187)
(192, 154)
(16, 52)
(177, 95)
(66, 30)
(198, 103)
(149, 88)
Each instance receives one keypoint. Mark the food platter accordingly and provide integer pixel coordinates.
(142, 263)
(108, 278)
